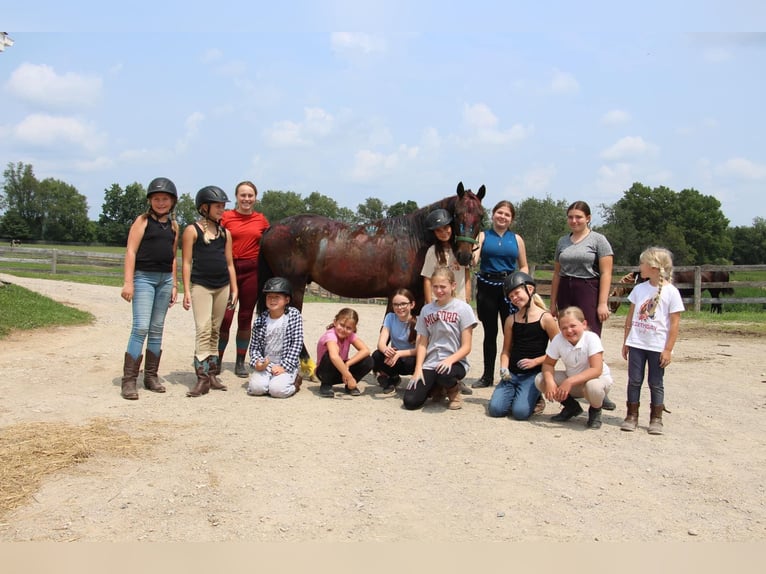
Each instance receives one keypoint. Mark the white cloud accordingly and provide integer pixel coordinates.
(41, 85)
(317, 123)
(353, 42)
(370, 165)
(539, 178)
(564, 83)
(430, 139)
(741, 168)
(629, 147)
(96, 164)
(483, 126)
(615, 117)
(192, 129)
(613, 179)
(50, 131)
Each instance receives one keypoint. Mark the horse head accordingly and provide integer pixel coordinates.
(621, 290)
(467, 216)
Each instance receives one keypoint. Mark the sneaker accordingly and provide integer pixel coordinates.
(465, 389)
(388, 389)
(608, 405)
(355, 392)
(326, 391)
(571, 409)
(482, 383)
(383, 380)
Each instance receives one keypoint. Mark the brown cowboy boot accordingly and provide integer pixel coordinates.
(151, 381)
(203, 379)
(655, 419)
(631, 419)
(455, 398)
(130, 370)
(215, 369)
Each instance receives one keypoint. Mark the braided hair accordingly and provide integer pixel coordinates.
(661, 259)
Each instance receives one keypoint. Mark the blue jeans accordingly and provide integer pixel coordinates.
(151, 300)
(638, 360)
(517, 397)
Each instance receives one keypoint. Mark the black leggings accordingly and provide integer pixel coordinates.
(416, 398)
(490, 302)
(404, 366)
(329, 375)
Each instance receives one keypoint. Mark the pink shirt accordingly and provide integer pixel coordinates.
(331, 335)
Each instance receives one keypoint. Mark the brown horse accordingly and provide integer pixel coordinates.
(679, 278)
(369, 260)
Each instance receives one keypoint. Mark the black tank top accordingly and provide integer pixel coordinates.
(209, 267)
(529, 341)
(155, 253)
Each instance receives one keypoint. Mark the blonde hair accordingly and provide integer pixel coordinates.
(445, 273)
(572, 311)
(661, 259)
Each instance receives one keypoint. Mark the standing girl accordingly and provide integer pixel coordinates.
(334, 365)
(525, 337)
(582, 269)
(651, 330)
(442, 254)
(150, 284)
(445, 327)
(246, 227)
(210, 283)
(585, 373)
(502, 252)
(276, 343)
(395, 355)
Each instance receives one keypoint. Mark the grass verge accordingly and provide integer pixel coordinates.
(24, 309)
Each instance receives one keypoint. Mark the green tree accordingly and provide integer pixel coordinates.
(186, 211)
(688, 223)
(401, 208)
(749, 243)
(20, 196)
(541, 222)
(64, 212)
(371, 210)
(119, 210)
(276, 205)
(13, 226)
(348, 216)
(319, 204)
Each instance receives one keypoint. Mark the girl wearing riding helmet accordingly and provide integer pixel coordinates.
(246, 227)
(150, 284)
(525, 337)
(501, 252)
(210, 283)
(442, 254)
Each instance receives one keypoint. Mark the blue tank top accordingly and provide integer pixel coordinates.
(499, 254)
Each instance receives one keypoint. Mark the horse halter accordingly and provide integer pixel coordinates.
(464, 238)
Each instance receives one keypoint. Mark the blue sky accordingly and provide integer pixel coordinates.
(570, 100)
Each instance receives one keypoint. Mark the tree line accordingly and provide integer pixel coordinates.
(687, 222)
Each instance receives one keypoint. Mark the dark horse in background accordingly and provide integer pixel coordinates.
(679, 278)
(364, 261)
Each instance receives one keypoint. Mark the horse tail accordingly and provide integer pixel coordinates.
(264, 274)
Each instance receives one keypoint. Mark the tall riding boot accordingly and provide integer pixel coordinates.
(203, 378)
(215, 369)
(240, 369)
(631, 420)
(455, 398)
(130, 370)
(152, 364)
(655, 419)
(571, 409)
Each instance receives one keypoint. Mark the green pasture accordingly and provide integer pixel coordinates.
(23, 309)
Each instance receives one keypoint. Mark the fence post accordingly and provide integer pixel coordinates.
(697, 288)
(53, 261)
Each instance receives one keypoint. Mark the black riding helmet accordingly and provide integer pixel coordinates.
(162, 185)
(278, 285)
(516, 279)
(438, 218)
(210, 194)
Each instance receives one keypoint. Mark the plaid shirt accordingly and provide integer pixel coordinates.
(292, 344)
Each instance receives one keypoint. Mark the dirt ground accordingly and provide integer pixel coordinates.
(229, 467)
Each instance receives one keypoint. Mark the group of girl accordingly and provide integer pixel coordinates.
(431, 348)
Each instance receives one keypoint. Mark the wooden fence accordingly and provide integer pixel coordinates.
(67, 262)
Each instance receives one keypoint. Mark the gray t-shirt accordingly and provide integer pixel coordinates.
(444, 327)
(581, 259)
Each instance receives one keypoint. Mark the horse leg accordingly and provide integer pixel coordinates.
(715, 307)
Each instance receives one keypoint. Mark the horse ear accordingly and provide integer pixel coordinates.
(460, 189)
(482, 191)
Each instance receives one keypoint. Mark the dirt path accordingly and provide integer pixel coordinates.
(231, 467)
